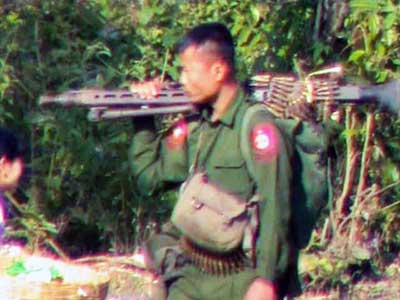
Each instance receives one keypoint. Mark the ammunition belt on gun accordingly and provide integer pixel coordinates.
(282, 93)
(214, 263)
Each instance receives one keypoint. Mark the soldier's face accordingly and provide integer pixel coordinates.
(10, 173)
(200, 74)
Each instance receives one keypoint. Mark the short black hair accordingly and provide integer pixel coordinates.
(9, 144)
(216, 33)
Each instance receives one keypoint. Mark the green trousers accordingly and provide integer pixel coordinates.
(185, 281)
(197, 285)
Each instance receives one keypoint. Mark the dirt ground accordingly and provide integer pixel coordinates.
(384, 289)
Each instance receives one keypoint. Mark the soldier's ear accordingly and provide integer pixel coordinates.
(220, 70)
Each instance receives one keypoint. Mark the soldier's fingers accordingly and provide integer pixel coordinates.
(145, 90)
(156, 85)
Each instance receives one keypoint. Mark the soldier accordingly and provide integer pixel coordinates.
(210, 140)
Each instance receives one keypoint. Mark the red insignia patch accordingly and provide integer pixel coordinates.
(264, 142)
(177, 135)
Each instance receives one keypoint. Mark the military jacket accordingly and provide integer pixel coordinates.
(167, 158)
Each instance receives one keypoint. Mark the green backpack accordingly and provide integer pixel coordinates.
(310, 167)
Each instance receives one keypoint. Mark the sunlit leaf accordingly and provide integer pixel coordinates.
(390, 20)
(365, 5)
(244, 35)
(374, 25)
(396, 61)
(356, 55)
(255, 13)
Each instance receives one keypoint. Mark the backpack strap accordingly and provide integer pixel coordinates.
(250, 235)
(244, 133)
(309, 166)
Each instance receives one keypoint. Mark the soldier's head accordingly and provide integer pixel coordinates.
(11, 161)
(207, 58)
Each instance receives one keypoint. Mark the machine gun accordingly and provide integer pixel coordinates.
(279, 92)
(114, 104)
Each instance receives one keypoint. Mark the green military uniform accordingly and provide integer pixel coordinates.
(159, 159)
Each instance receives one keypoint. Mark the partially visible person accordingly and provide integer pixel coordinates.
(11, 169)
(11, 161)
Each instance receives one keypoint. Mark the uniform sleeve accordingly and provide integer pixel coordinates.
(156, 158)
(269, 165)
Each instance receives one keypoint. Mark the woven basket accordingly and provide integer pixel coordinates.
(79, 282)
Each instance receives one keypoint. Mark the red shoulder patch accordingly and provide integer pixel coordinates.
(177, 135)
(265, 142)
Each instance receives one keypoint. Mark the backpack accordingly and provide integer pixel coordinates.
(310, 170)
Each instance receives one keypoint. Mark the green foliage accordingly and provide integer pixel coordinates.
(20, 267)
(372, 35)
(17, 267)
(365, 229)
(57, 45)
(320, 272)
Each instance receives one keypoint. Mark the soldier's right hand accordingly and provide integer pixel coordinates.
(147, 89)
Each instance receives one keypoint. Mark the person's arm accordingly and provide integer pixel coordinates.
(155, 157)
(269, 165)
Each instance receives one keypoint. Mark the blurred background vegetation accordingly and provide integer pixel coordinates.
(77, 196)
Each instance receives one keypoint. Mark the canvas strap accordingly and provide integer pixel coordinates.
(250, 236)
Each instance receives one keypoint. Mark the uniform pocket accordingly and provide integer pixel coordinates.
(233, 176)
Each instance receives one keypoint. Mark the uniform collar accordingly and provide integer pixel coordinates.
(228, 117)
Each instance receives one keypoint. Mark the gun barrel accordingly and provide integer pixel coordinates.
(102, 98)
(349, 93)
(387, 94)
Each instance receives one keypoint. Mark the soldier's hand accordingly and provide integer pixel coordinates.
(147, 89)
(261, 289)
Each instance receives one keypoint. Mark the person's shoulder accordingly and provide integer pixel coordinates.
(260, 136)
(257, 112)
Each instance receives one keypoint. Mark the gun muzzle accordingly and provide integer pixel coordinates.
(387, 94)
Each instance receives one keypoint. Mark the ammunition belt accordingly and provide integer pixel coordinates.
(214, 263)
